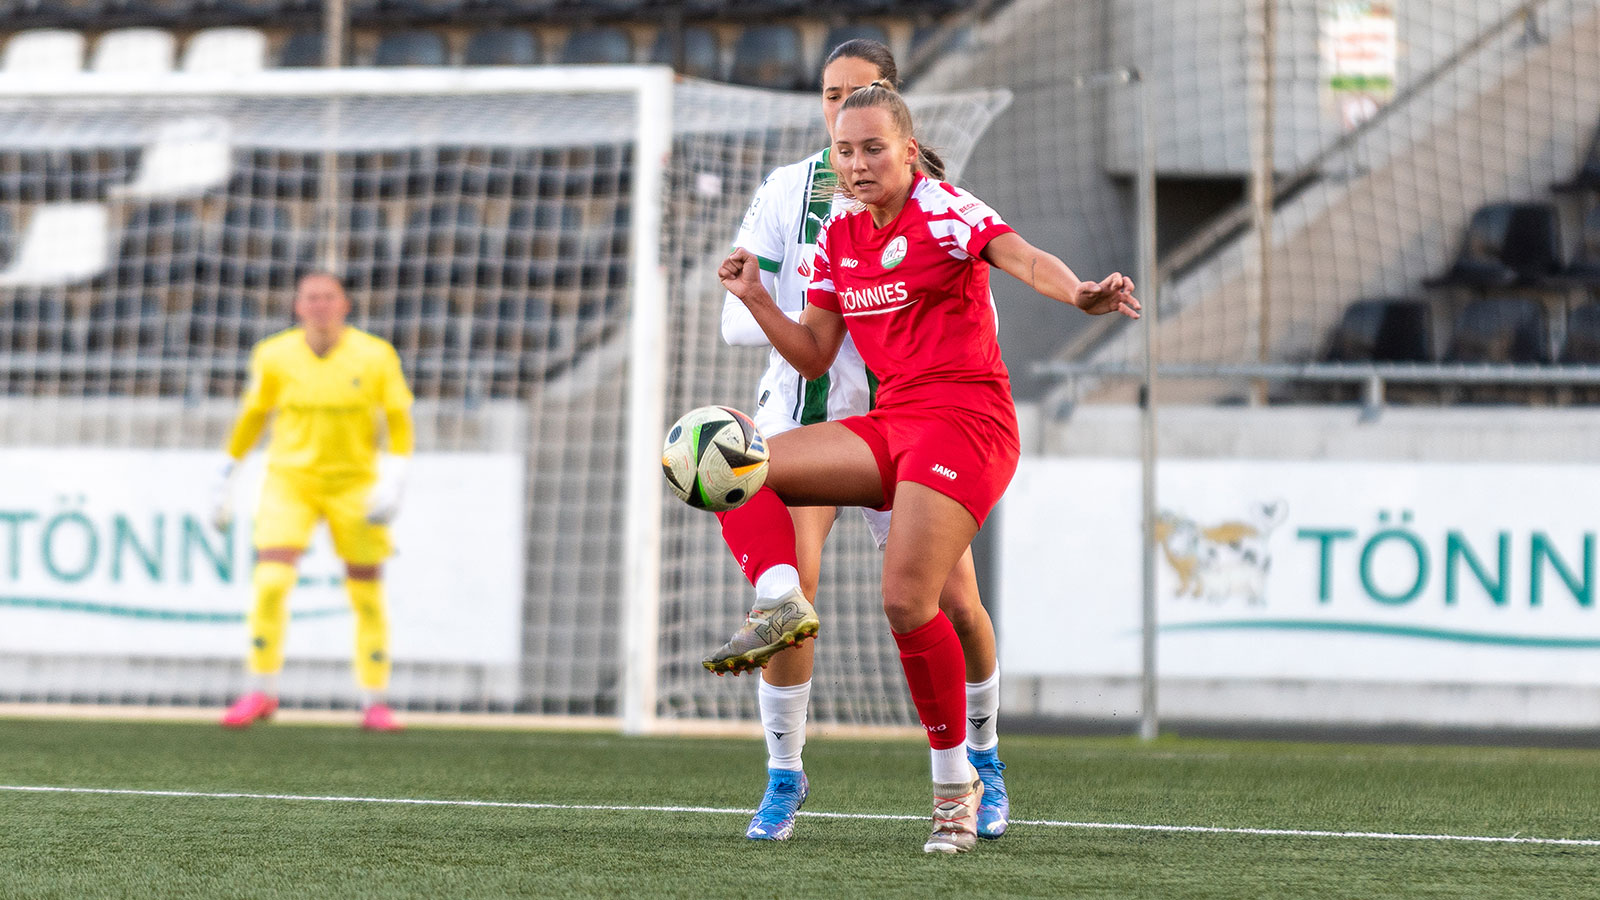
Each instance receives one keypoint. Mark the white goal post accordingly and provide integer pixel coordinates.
(540, 245)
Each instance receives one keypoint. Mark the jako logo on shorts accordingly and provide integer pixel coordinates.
(946, 472)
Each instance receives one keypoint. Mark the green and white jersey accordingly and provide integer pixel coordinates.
(780, 228)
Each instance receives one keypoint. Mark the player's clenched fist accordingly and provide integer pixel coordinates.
(740, 273)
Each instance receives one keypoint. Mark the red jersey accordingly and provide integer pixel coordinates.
(915, 297)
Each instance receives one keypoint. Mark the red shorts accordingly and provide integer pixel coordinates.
(966, 456)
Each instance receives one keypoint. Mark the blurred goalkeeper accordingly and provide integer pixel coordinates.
(325, 385)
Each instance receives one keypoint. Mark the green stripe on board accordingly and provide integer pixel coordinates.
(1400, 631)
(161, 615)
(814, 408)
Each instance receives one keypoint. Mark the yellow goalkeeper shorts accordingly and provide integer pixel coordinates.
(291, 506)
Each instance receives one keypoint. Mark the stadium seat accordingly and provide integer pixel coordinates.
(63, 243)
(43, 51)
(502, 47)
(841, 33)
(691, 51)
(163, 12)
(225, 50)
(411, 48)
(1500, 330)
(133, 50)
(189, 157)
(1506, 244)
(1582, 344)
(301, 50)
(241, 12)
(769, 56)
(609, 46)
(71, 13)
(1587, 178)
(1584, 269)
(1386, 330)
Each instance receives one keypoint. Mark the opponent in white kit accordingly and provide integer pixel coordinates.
(780, 229)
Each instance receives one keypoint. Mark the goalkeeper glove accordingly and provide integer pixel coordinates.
(384, 501)
(222, 495)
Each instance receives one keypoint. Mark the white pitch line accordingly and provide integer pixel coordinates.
(1045, 823)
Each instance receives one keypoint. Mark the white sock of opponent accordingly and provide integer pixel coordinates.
(777, 581)
(983, 708)
(783, 722)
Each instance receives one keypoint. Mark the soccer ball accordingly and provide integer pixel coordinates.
(714, 458)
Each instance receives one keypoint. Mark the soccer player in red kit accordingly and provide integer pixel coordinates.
(906, 274)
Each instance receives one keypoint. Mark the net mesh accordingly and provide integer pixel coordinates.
(151, 240)
(1391, 127)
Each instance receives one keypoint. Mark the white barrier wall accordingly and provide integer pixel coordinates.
(110, 552)
(1334, 589)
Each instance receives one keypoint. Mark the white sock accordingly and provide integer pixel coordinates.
(783, 723)
(370, 698)
(950, 766)
(266, 684)
(776, 581)
(983, 709)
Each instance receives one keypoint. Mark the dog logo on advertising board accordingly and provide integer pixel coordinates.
(1227, 560)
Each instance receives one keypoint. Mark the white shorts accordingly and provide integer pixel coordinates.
(785, 401)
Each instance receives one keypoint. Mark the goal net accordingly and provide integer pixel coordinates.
(540, 246)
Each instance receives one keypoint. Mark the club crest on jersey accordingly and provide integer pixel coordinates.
(895, 253)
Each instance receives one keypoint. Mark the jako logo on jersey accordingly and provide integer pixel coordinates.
(946, 472)
(895, 253)
(854, 299)
(848, 263)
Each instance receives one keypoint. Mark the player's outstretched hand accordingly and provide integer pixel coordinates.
(222, 495)
(383, 504)
(740, 273)
(1114, 294)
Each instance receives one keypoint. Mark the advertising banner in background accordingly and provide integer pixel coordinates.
(1347, 571)
(111, 552)
(1360, 56)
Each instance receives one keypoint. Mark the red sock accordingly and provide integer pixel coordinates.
(936, 672)
(760, 533)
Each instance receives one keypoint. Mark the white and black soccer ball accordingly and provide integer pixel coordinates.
(714, 458)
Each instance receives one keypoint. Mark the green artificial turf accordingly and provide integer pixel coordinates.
(84, 845)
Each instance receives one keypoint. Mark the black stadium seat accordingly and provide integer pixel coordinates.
(411, 48)
(1506, 244)
(301, 50)
(1584, 269)
(769, 56)
(841, 33)
(1382, 330)
(502, 47)
(691, 51)
(1582, 346)
(1500, 330)
(1587, 178)
(597, 45)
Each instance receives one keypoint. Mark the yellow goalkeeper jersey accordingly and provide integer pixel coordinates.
(325, 408)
